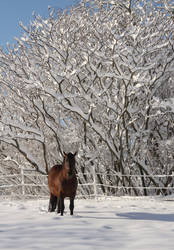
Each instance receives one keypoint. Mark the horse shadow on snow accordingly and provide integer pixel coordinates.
(147, 216)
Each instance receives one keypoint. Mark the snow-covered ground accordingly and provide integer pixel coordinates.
(117, 223)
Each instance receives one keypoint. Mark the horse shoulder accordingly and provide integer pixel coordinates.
(54, 170)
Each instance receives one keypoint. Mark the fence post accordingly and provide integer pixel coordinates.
(22, 181)
(94, 182)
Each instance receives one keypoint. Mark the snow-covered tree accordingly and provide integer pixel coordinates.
(94, 78)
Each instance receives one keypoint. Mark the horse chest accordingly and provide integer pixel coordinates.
(69, 186)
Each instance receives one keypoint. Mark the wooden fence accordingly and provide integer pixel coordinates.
(30, 184)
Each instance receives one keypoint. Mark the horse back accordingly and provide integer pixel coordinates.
(53, 174)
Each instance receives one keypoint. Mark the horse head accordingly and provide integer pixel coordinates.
(69, 161)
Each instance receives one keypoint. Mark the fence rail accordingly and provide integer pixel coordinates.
(32, 184)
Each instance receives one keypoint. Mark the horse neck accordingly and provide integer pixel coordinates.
(66, 168)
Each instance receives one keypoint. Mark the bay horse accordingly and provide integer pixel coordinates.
(62, 183)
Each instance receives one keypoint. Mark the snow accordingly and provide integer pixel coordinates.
(117, 223)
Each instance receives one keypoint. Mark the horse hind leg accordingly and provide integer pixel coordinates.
(52, 203)
(71, 206)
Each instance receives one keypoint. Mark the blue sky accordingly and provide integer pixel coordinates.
(13, 11)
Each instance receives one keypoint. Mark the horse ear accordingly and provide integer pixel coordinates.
(75, 153)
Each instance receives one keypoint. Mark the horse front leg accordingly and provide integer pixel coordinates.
(52, 203)
(58, 206)
(61, 205)
(71, 206)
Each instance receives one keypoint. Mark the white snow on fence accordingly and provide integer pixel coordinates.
(33, 184)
